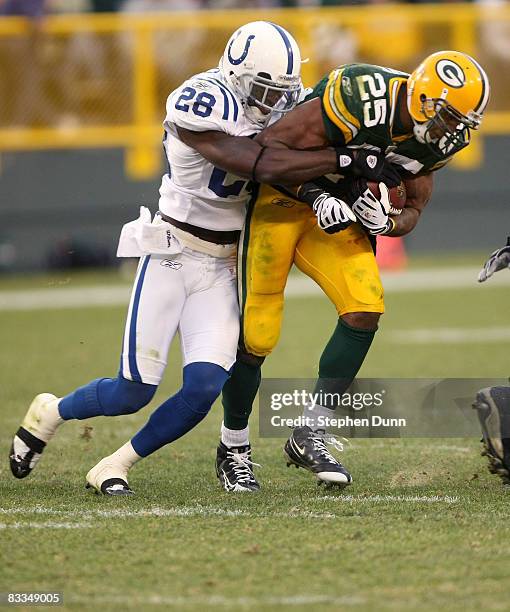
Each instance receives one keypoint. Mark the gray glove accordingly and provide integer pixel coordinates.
(499, 260)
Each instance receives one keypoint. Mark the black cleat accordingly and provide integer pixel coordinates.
(25, 452)
(234, 468)
(112, 486)
(307, 449)
(493, 407)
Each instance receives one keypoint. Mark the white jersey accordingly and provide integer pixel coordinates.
(193, 190)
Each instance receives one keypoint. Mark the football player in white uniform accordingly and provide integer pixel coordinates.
(186, 278)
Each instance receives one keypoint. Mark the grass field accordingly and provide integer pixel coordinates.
(423, 526)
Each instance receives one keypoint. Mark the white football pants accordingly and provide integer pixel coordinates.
(193, 293)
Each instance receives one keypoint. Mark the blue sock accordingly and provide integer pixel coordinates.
(202, 383)
(106, 397)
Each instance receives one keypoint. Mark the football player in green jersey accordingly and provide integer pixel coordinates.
(419, 121)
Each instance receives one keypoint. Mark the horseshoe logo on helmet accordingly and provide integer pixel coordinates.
(450, 73)
(243, 55)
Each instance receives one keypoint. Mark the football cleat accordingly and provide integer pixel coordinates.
(108, 478)
(36, 430)
(493, 407)
(307, 449)
(234, 468)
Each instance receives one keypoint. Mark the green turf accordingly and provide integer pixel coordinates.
(387, 543)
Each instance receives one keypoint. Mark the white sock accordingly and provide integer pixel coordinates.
(126, 456)
(235, 437)
(54, 413)
(47, 426)
(312, 414)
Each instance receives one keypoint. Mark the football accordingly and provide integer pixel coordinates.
(397, 196)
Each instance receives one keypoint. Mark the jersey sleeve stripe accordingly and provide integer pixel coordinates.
(236, 105)
(226, 92)
(226, 106)
(395, 85)
(350, 119)
(331, 110)
(336, 109)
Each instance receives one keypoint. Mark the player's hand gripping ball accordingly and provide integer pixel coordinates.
(397, 194)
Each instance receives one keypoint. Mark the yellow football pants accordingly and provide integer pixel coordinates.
(280, 231)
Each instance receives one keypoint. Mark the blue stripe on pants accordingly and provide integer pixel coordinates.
(133, 367)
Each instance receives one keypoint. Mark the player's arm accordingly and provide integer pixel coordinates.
(419, 191)
(247, 158)
(303, 128)
(274, 165)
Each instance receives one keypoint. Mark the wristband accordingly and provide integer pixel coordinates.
(344, 161)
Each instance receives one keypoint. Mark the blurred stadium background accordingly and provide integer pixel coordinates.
(424, 526)
(84, 86)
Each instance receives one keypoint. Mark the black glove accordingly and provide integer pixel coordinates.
(367, 163)
(333, 215)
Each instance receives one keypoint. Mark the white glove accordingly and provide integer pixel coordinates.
(371, 212)
(333, 214)
(499, 260)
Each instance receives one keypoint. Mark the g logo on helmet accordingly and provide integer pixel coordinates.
(450, 73)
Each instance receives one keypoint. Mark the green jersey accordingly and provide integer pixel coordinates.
(359, 103)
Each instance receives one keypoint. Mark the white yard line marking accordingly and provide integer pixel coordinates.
(62, 298)
(221, 601)
(384, 499)
(440, 447)
(426, 279)
(453, 449)
(184, 511)
(45, 525)
(207, 511)
(450, 335)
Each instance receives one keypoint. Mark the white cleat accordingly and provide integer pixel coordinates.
(108, 478)
(36, 430)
